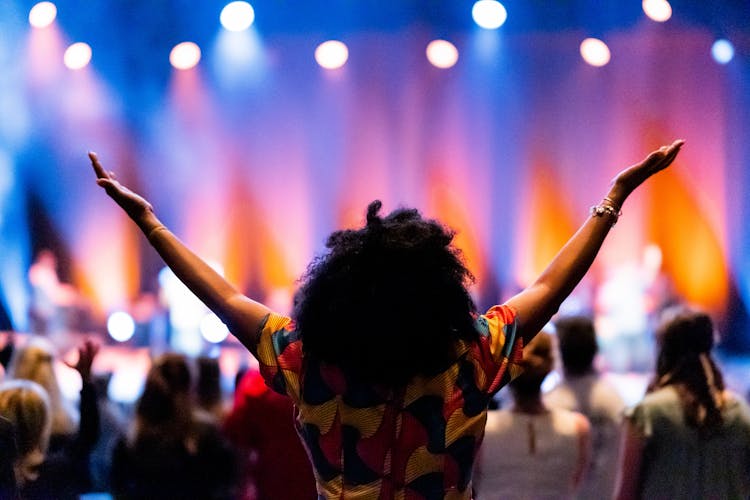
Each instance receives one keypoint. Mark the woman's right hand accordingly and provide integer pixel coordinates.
(134, 204)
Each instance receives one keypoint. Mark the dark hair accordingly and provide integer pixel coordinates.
(208, 383)
(164, 408)
(578, 346)
(537, 363)
(685, 339)
(388, 301)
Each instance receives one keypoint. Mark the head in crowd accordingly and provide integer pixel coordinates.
(164, 410)
(208, 383)
(685, 339)
(25, 404)
(538, 361)
(387, 301)
(577, 342)
(35, 361)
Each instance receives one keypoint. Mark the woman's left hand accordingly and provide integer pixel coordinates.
(629, 179)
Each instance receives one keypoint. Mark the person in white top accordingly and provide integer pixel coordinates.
(532, 451)
(585, 390)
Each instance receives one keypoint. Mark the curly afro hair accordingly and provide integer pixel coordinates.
(388, 301)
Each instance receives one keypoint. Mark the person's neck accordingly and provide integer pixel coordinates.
(531, 404)
(579, 374)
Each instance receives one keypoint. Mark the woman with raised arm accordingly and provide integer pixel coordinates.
(386, 359)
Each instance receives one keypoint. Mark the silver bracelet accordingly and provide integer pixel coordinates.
(605, 209)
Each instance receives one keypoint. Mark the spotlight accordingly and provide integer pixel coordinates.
(442, 54)
(332, 54)
(237, 16)
(120, 326)
(42, 14)
(658, 10)
(722, 51)
(212, 329)
(77, 56)
(595, 52)
(489, 14)
(185, 55)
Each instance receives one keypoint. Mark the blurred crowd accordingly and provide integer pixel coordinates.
(184, 438)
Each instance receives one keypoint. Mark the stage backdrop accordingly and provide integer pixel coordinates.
(257, 154)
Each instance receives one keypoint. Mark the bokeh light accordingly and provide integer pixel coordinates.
(42, 14)
(237, 16)
(442, 54)
(212, 329)
(657, 10)
(120, 326)
(595, 52)
(722, 51)
(185, 55)
(332, 54)
(489, 14)
(77, 56)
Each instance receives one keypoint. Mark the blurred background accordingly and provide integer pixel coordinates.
(256, 130)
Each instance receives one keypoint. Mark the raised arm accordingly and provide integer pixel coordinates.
(537, 303)
(242, 315)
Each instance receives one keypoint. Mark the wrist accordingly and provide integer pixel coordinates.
(617, 195)
(148, 222)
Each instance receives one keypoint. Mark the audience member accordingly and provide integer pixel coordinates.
(586, 391)
(113, 423)
(6, 353)
(8, 452)
(260, 424)
(208, 389)
(387, 360)
(530, 450)
(65, 471)
(24, 434)
(170, 451)
(689, 437)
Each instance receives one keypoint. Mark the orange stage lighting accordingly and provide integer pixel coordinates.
(693, 254)
(546, 223)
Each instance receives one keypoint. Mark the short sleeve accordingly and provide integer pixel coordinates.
(639, 418)
(500, 347)
(280, 355)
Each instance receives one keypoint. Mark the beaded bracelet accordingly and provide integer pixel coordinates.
(604, 208)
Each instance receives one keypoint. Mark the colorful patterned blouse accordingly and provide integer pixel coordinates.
(416, 443)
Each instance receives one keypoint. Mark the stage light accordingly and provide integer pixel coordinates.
(489, 14)
(212, 329)
(332, 54)
(126, 384)
(120, 326)
(722, 51)
(442, 54)
(658, 10)
(77, 56)
(185, 55)
(595, 52)
(42, 14)
(237, 16)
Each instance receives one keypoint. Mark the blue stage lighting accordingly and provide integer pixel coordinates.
(489, 14)
(722, 51)
(237, 16)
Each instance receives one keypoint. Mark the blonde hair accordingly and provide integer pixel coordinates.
(26, 405)
(35, 361)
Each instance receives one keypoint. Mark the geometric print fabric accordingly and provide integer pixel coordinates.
(416, 443)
